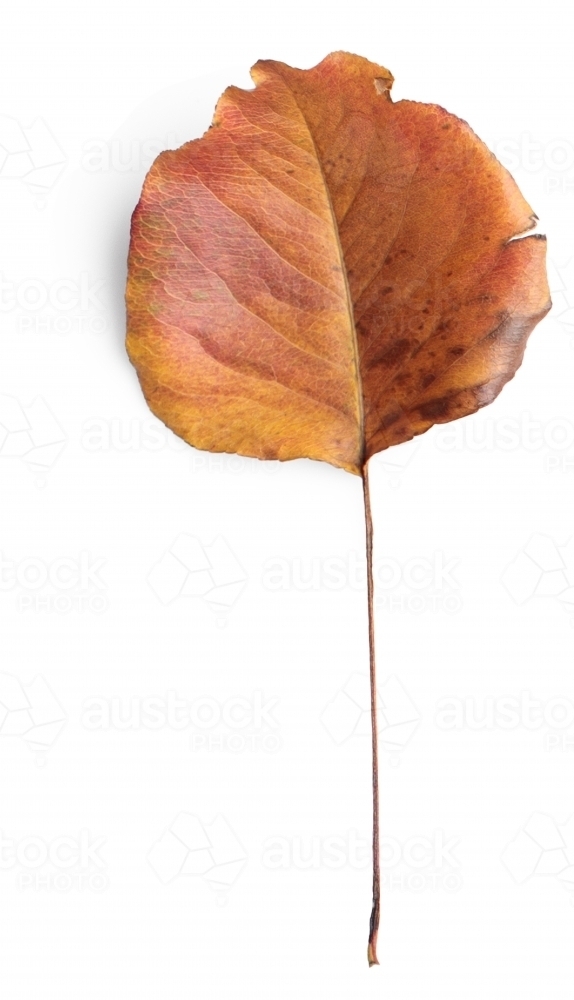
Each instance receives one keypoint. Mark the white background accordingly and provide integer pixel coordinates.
(95, 492)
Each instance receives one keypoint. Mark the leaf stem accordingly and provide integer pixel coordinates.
(375, 912)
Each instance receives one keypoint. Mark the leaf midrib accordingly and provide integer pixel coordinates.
(348, 299)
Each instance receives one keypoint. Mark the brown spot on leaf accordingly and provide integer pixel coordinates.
(392, 355)
(435, 410)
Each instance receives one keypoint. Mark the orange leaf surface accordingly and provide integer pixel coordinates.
(327, 273)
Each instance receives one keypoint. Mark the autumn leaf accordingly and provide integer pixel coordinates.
(327, 273)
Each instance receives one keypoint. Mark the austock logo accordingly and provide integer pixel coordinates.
(507, 434)
(30, 154)
(137, 434)
(59, 864)
(413, 585)
(534, 155)
(561, 281)
(509, 713)
(552, 158)
(190, 569)
(61, 306)
(125, 155)
(542, 569)
(348, 714)
(189, 847)
(100, 434)
(542, 848)
(60, 585)
(30, 712)
(411, 864)
(234, 725)
(233, 465)
(30, 433)
(396, 460)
